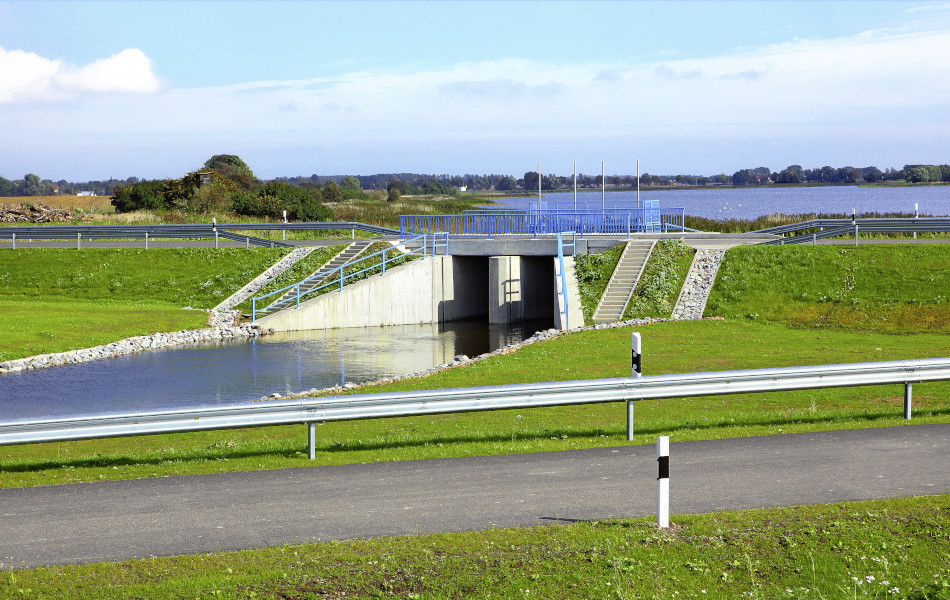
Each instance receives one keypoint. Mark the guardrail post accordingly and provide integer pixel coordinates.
(78, 241)
(907, 394)
(247, 242)
(146, 240)
(215, 238)
(312, 440)
(635, 365)
(14, 241)
(663, 482)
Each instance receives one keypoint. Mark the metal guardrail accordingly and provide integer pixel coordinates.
(818, 229)
(528, 395)
(337, 276)
(185, 231)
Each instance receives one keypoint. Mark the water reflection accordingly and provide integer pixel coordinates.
(236, 372)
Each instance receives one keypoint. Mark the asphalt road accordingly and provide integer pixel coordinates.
(109, 521)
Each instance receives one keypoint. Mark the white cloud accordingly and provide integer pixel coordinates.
(30, 78)
(878, 91)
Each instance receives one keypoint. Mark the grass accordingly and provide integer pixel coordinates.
(668, 348)
(593, 272)
(894, 289)
(55, 300)
(663, 276)
(33, 326)
(897, 548)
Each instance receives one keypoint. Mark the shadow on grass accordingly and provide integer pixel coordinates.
(215, 453)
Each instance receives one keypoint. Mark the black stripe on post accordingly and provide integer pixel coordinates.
(663, 467)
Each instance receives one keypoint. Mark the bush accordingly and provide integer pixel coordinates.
(144, 195)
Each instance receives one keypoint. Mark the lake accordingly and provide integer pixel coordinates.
(749, 203)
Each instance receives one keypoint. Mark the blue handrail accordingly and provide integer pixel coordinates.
(560, 257)
(338, 271)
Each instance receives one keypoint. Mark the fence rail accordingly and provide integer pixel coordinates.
(818, 229)
(185, 231)
(516, 222)
(529, 395)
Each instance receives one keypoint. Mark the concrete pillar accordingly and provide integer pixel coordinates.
(505, 301)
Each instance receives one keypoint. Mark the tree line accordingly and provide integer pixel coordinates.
(243, 186)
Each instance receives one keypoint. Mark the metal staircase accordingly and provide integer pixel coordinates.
(317, 278)
(623, 281)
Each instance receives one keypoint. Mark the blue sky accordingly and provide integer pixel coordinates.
(90, 90)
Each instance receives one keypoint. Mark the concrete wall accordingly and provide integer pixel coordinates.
(575, 316)
(519, 288)
(506, 289)
(422, 291)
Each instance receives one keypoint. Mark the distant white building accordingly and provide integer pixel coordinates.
(463, 188)
(87, 193)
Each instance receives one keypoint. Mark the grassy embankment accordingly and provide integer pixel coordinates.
(813, 551)
(53, 300)
(657, 289)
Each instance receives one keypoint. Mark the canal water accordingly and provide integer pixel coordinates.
(238, 372)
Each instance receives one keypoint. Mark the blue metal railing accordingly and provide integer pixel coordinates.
(547, 222)
(337, 276)
(560, 257)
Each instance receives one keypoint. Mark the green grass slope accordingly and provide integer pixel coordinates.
(887, 289)
(53, 300)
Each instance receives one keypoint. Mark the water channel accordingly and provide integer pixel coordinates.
(238, 372)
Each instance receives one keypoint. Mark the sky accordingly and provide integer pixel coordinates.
(92, 90)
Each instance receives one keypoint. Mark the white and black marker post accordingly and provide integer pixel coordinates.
(663, 481)
(635, 368)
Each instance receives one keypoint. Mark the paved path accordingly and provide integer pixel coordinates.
(178, 515)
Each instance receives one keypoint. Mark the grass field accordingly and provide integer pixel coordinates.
(895, 289)
(53, 300)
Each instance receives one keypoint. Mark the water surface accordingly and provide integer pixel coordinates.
(237, 372)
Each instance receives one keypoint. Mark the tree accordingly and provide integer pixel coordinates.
(871, 174)
(233, 169)
(506, 183)
(331, 192)
(531, 180)
(31, 186)
(351, 183)
(846, 175)
(394, 195)
(791, 174)
(7, 187)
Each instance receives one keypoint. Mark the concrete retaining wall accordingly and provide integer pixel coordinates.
(422, 291)
(506, 289)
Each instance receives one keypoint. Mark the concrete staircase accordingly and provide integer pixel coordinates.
(317, 278)
(623, 281)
